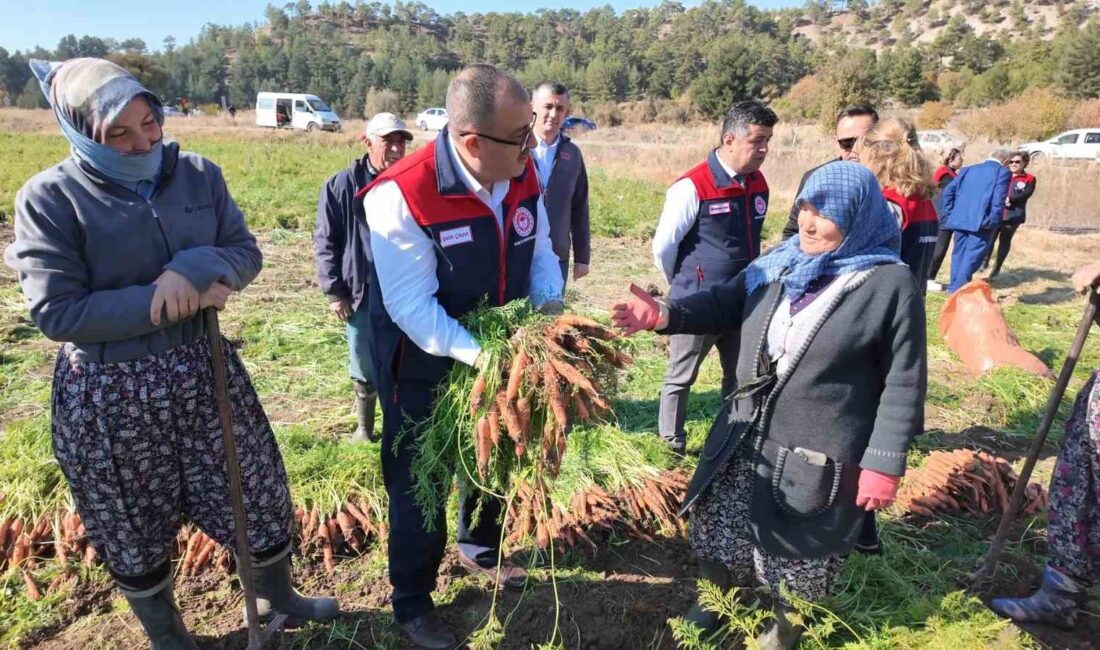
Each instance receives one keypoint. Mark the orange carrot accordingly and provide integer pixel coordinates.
(493, 417)
(32, 589)
(476, 394)
(484, 445)
(519, 364)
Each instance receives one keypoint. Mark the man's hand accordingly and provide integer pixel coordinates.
(176, 294)
(641, 313)
(876, 490)
(1086, 277)
(579, 271)
(552, 308)
(342, 309)
(216, 296)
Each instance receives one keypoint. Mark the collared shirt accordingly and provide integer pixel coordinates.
(544, 155)
(405, 260)
(677, 218)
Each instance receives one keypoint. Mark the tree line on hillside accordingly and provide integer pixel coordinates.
(703, 55)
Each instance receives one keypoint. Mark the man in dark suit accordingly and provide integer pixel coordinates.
(564, 178)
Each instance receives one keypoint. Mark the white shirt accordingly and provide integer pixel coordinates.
(677, 218)
(404, 257)
(544, 155)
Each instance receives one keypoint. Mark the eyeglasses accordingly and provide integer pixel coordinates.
(847, 143)
(521, 143)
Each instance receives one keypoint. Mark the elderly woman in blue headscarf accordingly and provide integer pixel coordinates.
(118, 248)
(831, 375)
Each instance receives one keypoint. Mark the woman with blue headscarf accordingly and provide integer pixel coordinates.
(118, 248)
(831, 375)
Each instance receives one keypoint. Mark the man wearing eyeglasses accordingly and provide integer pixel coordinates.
(453, 225)
(851, 123)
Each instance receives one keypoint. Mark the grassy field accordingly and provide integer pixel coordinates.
(621, 597)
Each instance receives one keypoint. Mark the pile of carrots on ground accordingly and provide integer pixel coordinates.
(24, 544)
(639, 510)
(965, 481)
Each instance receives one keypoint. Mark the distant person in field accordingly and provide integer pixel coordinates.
(890, 150)
(973, 206)
(1073, 526)
(1020, 189)
(563, 177)
(949, 168)
(118, 248)
(831, 382)
(709, 230)
(851, 123)
(437, 219)
(341, 244)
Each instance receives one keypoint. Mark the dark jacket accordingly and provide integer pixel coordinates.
(566, 200)
(88, 250)
(975, 200)
(341, 239)
(1020, 189)
(791, 229)
(725, 236)
(942, 178)
(855, 392)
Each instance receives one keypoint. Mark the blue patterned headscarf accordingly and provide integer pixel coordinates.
(87, 96)
(847, 194)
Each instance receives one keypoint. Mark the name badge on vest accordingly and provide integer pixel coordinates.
(455, 236)
(719, 208)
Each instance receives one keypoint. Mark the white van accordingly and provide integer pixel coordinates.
(306, 112)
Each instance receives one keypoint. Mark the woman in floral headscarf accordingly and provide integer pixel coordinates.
(831, 380)
(118, 248)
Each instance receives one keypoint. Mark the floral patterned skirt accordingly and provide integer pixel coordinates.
(720, 532)
(140, 444)
(1073, 530)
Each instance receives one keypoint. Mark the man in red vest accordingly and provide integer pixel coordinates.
(452, 225)
(709, 230)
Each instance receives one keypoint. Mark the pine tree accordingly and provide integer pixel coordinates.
(1080, 74)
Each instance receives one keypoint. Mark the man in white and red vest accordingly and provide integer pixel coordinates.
(457, 223)
(708, 232)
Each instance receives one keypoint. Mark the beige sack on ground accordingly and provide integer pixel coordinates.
(973, 326)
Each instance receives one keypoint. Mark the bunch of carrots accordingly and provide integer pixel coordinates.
(26, 543)
(503, 424)
(965, 481)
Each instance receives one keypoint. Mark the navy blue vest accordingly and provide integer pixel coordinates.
(475, 261)
(726, 233)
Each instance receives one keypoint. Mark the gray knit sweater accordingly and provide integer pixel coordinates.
(855, 393)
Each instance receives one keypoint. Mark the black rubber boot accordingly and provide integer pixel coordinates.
(365, 399)
(156, 610)
(1057, 602)
(718, 574)
(276, 594)
(782, 632)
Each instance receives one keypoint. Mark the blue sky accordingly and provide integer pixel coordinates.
(24, 24)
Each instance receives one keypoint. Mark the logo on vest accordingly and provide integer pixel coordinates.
(523, 222)
(761, 206)
(455, 236)
(719, 208)
(1020, 185)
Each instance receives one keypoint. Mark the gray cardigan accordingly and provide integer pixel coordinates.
(88, 250)
(566, 199)
(855, 393)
